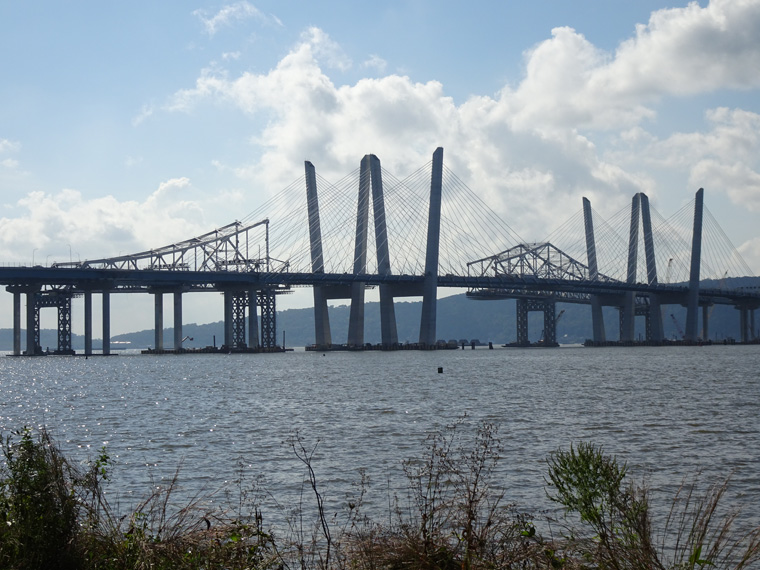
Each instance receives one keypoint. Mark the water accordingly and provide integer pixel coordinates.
(667, 411)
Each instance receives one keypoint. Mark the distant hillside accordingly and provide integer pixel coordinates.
(458, 318)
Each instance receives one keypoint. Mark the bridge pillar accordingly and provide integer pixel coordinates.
(521, 319)
(16, 323)
(32, 323)
(323, 339)
(228, 318)
(655, 329)
(549, 309)
(628, 316)
(430, 285)
(253, 320)
(158, 320)
(746, 325)
(705, 322)
(268, 318)
(388, 332)
(239, 302)
(356, 316)
(63, 302)
(178, 321)
(696, 253)
(106, 321)
(88, 322)
(597, 318)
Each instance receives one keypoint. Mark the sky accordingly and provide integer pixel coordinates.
(128, 126)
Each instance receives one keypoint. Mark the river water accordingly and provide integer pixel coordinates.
(667, 411)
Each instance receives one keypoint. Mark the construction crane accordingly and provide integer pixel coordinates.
(678, 326)
(542, 340)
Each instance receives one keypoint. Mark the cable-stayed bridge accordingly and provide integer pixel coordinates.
(406, 237)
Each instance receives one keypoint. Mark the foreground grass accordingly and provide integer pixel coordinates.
(54, 515)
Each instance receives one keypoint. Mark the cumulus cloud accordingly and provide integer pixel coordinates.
(8, 146)
(231, 14)
(533, 150)
(50, 222)
(375, 62)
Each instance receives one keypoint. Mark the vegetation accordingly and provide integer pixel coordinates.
(55, 515)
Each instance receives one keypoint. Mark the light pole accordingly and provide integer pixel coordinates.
(35, 249)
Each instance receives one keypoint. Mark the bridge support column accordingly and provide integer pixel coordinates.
(430, 285)
(239, 302)
(158, 321)
(549, 309)
(106, 322)
(655, 329)
(32, 324)
(388, 332)
(705, 323)
(628, 316)
(178, 321)
(16, 323)
(63, 303)
(88, 323)
(597, 318)
(268, 318)
(253, 320)
(746, 325)
(521, 318)
(323, 339)
(696, 253)
(356, 316)
(228, 320)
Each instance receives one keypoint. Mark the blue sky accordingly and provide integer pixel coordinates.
(126, 126)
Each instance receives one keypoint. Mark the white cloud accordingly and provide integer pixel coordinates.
(375, 62)
(325, 49)
(101, 227)
(231, 14)
(536, 148)
(145, 112)
(10, 163)
(570, 83)
(8, 146)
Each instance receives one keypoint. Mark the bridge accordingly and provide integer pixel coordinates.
(430, 232)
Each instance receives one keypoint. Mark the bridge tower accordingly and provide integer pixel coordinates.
(597, 319)
(388, 332)
(430, 285)
(692, 313)
(356, 317)
(652, 312)
(654, 327)
(322, 335)
(628, 315)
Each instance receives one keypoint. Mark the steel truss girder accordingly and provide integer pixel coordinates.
(225, 249)
(542, 260)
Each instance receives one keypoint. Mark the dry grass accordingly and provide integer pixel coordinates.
(455, 516)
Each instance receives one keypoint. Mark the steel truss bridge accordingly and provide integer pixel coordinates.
(434, 246)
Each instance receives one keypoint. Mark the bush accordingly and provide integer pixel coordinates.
(39, 509)
(54, 516)
(586, 481)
